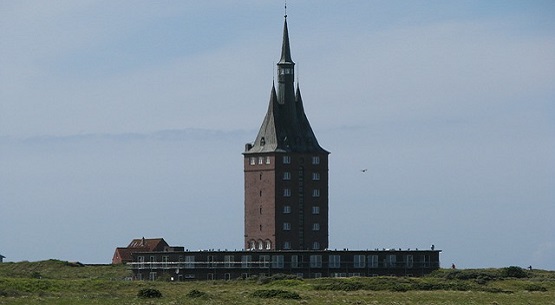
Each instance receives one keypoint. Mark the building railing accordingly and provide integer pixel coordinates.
(269, 265)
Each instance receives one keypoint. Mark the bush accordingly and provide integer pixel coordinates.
(149, 293)
(340, 286)
(276, 293)
(36, 275)
(400, 288)
(276, 277)
(495, 290)
(287, 283)
(535, 287)
(472, 274)
(196, 294)
(514, 271)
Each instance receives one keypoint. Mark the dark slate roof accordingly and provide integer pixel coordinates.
(285, 127)
(285, 49)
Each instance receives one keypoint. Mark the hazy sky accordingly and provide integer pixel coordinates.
(124, 119)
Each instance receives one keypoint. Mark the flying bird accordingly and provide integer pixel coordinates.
(364, 170)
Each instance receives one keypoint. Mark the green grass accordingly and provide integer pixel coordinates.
(57, 282)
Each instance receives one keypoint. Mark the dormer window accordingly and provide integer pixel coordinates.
(286, 71)
(262, 141)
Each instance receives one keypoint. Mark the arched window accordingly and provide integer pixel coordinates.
(252, 245)
(268, 245)
(260, 245)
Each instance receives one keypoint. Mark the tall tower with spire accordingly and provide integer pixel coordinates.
(286, 172)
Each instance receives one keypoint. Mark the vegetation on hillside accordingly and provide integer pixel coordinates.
(58, 282)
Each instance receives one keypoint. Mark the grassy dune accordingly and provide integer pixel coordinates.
(57, 282)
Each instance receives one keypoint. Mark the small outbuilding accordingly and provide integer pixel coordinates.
(2, 257)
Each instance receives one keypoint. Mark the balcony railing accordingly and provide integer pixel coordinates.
(269, 264)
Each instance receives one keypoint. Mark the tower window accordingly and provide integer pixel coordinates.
(286, 192)
(316, 193)
(252, 160)
(315, 160)
(315, 227)
(260, 160)
(286, 71)
(267, 160)
(286, 226)
(315, 176)
(286, 159)
(268, 245)
(286, 175)
(286, 245)
(315, 210)
(316, 246)
(260, 245)
(286, 209)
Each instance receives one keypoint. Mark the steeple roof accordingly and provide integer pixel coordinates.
(285, 127)
(285, 49)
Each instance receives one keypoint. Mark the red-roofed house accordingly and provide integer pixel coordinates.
(123, 255)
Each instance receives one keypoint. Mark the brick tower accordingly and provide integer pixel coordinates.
(286, 172)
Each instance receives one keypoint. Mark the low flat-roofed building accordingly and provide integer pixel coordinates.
(226, 265)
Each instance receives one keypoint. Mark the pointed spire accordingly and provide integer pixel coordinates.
(285, 49)
(273, 95)
(285, 127)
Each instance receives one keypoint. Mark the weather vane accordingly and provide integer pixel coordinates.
(285, 9)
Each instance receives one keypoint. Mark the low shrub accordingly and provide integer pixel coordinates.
(276, 293)
(535, 287)
(36, 275)
(428, 286)
(10, 293)
(472, 274)
(401, 288)
(495, 290)
(387, 283)
(149, 293)
(196, 294)
(340, 286)
(287, 283)
(276, 277)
